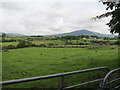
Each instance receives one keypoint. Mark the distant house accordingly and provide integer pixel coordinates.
(84, 38)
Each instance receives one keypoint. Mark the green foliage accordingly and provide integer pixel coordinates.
(5, 48)
(10, 40)
(10, 47)
(105, 38)
(42, 45)
(69, 37)
(117, 42)
(95, 36)
(22, 44)
(3, 36)
(114, 23)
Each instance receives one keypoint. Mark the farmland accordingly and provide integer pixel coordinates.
(9, 43)
(23, 63)
(58, 41)
(50, 55)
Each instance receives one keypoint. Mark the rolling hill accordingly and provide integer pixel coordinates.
(86, 32)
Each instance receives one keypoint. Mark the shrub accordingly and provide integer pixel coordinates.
(11, 40)
(5, 48)
(29, 44)
(10, 47)
(42, 45)
(117, 42)
(68, 43)
(81, 43)
(21, 44)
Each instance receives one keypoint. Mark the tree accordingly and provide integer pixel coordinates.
(21, 44)
(114, 23)
(106, 38)
(3, 36)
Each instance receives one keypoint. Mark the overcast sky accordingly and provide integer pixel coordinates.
(43, 18)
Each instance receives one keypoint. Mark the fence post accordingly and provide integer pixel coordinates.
(61, 82)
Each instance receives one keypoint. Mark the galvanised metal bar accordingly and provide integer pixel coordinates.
(112, 81)
(109, 73)
(105, 80)
(49, 76)
(61, 82)
(83, 83)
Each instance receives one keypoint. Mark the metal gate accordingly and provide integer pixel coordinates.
(61, 75)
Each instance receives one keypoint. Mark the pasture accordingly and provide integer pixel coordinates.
(48, 42)
(36, 61)
(9, 43)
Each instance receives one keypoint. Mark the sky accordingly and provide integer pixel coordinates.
(38, 17)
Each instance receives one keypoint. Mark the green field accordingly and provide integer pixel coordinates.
(48, 41)
(59, 42)
(36, 61)
(9, 43)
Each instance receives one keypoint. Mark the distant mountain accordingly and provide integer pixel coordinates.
(12, 34)
(76, 33)
(86, 32)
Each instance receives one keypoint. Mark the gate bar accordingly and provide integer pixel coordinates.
(49, 76)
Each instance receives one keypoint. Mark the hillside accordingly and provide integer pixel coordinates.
(86, 32)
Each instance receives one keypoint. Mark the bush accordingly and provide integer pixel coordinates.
(117, 42)
(42, 45)
(11, 40)
(5, 48)
(81, 43)
(29, 44)
(10, 47)
(69, 43)
(22, 44)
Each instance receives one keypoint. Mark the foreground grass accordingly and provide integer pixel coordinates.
(31, 62)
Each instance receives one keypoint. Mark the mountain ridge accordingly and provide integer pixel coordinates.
(75, 33)
(85, 32)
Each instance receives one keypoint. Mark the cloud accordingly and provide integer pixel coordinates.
(51, 18)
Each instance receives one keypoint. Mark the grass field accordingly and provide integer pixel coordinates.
(48, 41)
(9, 43)
(31, 62)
